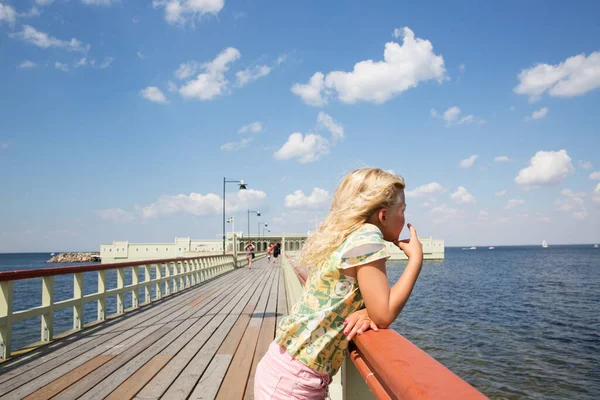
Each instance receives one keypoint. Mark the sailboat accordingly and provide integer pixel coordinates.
(544, 244)
(51, 254)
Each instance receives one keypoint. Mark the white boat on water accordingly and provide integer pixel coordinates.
(52, 254)
(544, 244)
(491, 248)
(473, 248)
(595, 246)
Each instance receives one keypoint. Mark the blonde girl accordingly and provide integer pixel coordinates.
(346, 258)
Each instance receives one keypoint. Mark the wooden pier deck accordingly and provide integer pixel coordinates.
(201, 343)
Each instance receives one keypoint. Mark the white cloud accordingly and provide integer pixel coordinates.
(575, 76)
(212, 82)
(44, 2)
(311, 92)
(443, 214)
(172, 87)
(27, 65)
(546, 168)
(198, 204)
(180, 11)
(512, 203)
(33, 12)
(468, 162)
(81, 63)
(539, 114)
(7, 13)
(451, 116)
(595, 175)
(306, 148)
(116, 215)
(585, 165)
(432, 189)
(462, 196)
(41, 39)
(234, 146)
(596, 195)
(187, 69)
(101, 3)
(318, 198)
(336, 129)
(140, 55)
(254, 127)
(501, 159)
(501, 193)
(403, 67)
(543, 218)
(154, 94)
(106, 63)
(483, 215)
(572, 203)
(251, 74)
(61, 67)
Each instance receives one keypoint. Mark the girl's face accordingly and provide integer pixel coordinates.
(390, 220)
(394, 222)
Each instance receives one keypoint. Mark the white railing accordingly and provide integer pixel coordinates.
(170, 276)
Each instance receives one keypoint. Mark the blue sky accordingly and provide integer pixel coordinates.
(119, 119)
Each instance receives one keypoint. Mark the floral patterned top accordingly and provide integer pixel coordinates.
(313, 332)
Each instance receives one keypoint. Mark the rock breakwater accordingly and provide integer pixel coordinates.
(75, 258)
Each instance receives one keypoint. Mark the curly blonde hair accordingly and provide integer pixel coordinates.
(360, 194)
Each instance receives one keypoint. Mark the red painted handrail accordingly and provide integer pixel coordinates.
(41, 272)
(395, 368)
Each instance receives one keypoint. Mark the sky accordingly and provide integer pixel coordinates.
(120, 119)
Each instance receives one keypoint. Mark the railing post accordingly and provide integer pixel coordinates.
(147, 293)
(188, 276)
(158, 284)
(102, 297)
(6, 310)
(180, 272)
(121, 295)
(167, 280)
(135, 281)
(47, 301)
(78, 295)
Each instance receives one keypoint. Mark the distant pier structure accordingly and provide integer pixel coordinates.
(122, 251)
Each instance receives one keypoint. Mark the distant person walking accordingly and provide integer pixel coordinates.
(276, 252)
(270, 252)
(249, 253)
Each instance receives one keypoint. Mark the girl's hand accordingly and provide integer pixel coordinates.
(357, 323)
(411, 247)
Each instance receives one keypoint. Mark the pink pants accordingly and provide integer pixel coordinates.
(281, 376)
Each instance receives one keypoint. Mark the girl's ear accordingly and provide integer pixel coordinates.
(381, 215)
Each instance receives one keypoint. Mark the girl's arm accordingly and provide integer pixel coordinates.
(384, 303)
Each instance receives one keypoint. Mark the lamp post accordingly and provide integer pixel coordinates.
(259, 224)
(257, 214)
(242, 186)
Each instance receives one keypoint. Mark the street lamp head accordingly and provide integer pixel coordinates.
(258, 213)
(266, 224)
(242, 185)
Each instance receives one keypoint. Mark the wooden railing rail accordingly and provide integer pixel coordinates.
(170, 276)
(394, 368)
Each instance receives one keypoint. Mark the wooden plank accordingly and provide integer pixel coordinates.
(114, 346)
(157, 387)
(208, 388)
(136, 382)
(200, 299)
(185, 329)
(265, 337)
(282, 306)
(189, 377)
(234, 384)
(67, 380)
(74, 345)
